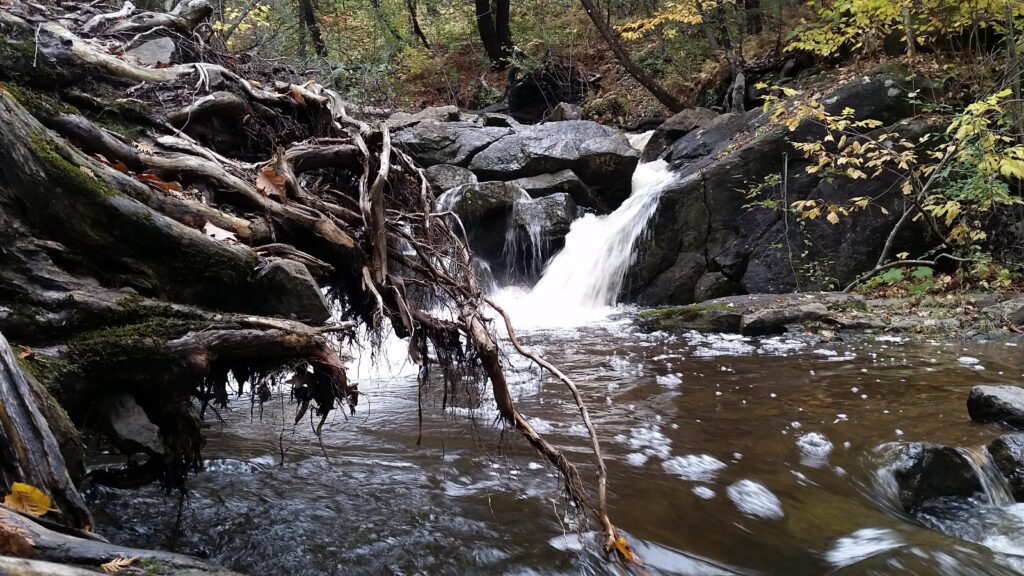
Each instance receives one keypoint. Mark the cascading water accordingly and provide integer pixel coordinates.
(583, 281)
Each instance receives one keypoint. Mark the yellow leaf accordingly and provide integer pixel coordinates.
(832, 217)
(903, 255)
(28, 499)
(623, 548)
(118, 564)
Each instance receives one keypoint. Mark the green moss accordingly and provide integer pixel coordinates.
(36, 102)
(65, 174)
(657, 314)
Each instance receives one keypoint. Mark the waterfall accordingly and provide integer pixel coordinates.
(583, 280)
(524, 249)
(993, 483)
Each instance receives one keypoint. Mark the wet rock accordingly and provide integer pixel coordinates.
(553, 215)
(538, 232)
(565, 111)
(486, 211)
(715, 285)
(287, 289)
(675, 128)
(599, 155)
(925, 471)
(705, 221)
(563, 181)
(431, 142)
(699, 317)
(444, 177)
(1008, 456)
(1002, 404)
(154, 52)
(747, 314)
(127, 425)
(775, 320)
(400, 120)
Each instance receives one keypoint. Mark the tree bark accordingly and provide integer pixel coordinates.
(485, 23)
(307, 13)
(415, 21)
(645, 79)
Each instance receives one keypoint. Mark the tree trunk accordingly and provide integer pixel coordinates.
(489, 35)
(415, 21)
(502, 23)
(307, 13)
(645, 79)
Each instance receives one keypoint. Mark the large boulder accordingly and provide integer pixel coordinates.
(675, 128)
(925, 471)
(1002, 404)
(751, 314)
(486, 210)
(1007, 454)
(400, 120)
(707, 223)
(538, 232)
(432, 142)
(563, 181)
(444, 177)
(599, 155)
(290, 291)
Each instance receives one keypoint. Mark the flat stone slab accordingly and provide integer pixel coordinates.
(1001, 404)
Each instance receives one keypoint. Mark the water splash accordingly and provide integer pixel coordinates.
(993, 483)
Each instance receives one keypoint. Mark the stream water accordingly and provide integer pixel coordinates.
(725, 454)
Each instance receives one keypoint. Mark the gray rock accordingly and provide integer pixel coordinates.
(444, 177)
(600, 156)
(925, 471)
(716, 318)
(551, 214)
(675, 128)
(564, 181)
(476, 202)
(1002, 404)
(400, 120)
(289, 291)
(431, 142)
(1008, 456)
(128, 426)
(715, 285)
(538, 232)
(1007, 312)
(154, 52)
(775, 320)
(565, 111)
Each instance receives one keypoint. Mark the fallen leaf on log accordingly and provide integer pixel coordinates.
(117, 564)
(161, 184)
(88, 171)
(24, 352)
(27, 499)
(218, 233)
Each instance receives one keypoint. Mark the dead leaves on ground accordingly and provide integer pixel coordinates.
(27, 499)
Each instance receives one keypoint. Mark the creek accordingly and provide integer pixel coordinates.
(726, 454)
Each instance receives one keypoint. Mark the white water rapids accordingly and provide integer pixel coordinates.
(582, 282)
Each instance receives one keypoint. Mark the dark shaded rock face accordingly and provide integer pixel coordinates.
(926, 471)
(675, 128)
(601, 156)
(538, 232)
(715, 285)
(705, 223)
(444, 177)
(289, 290)
(486, 212)
(1008, 456)
(127, 424)
(432, 142)
(1001, 404)
(532, 96)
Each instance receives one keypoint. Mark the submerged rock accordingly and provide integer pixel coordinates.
(1008, 456)
(925, 471)
(1002, 404)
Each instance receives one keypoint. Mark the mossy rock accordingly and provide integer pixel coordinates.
(699, 317)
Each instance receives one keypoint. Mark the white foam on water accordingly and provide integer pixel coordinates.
(581, 283)
(647, 439)
(704, 492)
(755, 500)
(814, 449)
(694, 467)
(860, 545)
